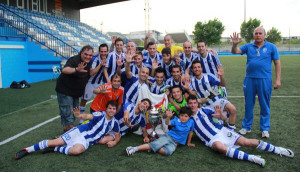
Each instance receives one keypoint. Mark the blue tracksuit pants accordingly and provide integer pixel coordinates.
(262, 87)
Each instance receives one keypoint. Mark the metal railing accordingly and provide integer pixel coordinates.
(13, 24)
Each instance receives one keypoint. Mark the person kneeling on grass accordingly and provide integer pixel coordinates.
(224, 140)
(181, 132)
(78, 139)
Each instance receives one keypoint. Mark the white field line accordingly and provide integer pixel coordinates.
(28, 130)
(32, 128)
(54, 118)
(25, 108)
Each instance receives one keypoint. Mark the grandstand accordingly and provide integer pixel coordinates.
(70, 31)
(139, 36)
(119, 35)
(180, 36)
(41, 41)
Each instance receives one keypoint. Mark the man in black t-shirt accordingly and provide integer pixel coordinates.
(71, 84)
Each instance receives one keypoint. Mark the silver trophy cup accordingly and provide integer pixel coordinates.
(154, 119)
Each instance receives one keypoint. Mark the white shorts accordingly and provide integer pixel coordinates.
(73, 137)
(88, 92)
(220, 102)
(227, 137)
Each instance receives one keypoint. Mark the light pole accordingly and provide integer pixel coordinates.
(244, 10)
(289, 39)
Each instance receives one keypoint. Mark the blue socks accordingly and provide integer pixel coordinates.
(237, 154)
(267, 147)
(62, 149)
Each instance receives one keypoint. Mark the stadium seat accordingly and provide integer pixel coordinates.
(68, 30)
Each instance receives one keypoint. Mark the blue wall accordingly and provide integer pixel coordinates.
(31, 63)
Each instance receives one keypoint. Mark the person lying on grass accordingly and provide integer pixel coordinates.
(181, 131)
(78, 139)
(224, 140)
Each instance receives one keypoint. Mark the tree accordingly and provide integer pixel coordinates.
(247, 29)
(273, 35)
(210, 32)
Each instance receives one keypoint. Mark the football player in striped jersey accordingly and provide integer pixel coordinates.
(78, 139)
(225, 141)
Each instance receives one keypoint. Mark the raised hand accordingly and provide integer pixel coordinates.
(76, 112)
(169, 113)
(103, 89)
(103, 62)
(177, 54)
(148, 35)
(220, 70)
(235, 38)
(81, 67)
(119, 62)
(186, 82)
(113, 39)
(218, 114)
(177, 60)
(129, 57)
(154, 65)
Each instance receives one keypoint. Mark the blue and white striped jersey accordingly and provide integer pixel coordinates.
(111, 63)
(135, 119)
(134, 71)
(210, 64)
(204, 125)
(154, 88)
(134, 68)
(187, 62)
(172, 82)
(148, 60)
(204, 86)
(167, 68)
(131, 89)
(98, 77)
(98, 127)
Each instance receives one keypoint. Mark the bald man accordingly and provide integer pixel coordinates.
(258, 80)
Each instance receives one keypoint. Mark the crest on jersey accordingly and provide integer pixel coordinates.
(67, 137)
(265, 50)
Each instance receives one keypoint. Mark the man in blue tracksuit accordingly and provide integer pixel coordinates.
(258, 80)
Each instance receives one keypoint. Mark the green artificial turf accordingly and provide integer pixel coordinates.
(285, 117)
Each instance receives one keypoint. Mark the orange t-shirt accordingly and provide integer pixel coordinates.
(101, 100)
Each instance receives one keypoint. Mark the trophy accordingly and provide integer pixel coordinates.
(154, 119)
